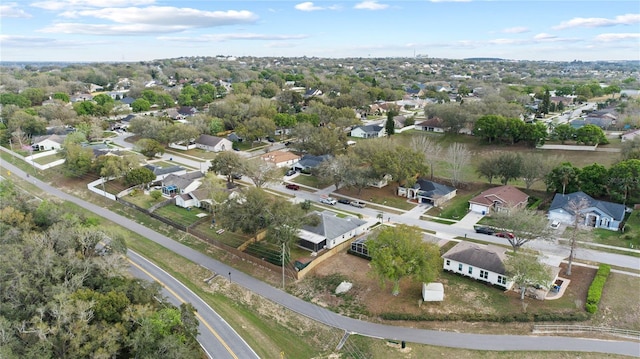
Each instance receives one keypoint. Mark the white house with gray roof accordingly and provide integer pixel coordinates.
(368, 131)
(480, 262)
(213, 143)
(330, 231)
(594, 213)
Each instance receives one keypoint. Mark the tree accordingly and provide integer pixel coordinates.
(227, 164)
(78, 160)
(594, 179)
(563, 132)
(563, 177)
(337, 169)
(509, 166)
(429, 148)
(524, 225)
(140, 105)
(630, 149)
(591, 135)
(389, 125)
(457, 157)
(526, 270)
(490, 127)
(488, 168)
(139, 176)
(535, 167)
(624, 179)
(577, 208)
(399, 252)
(261, 172)
(247, 212)
(546, 102)
(149, 148)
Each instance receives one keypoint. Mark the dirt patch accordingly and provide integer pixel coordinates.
(461, 295)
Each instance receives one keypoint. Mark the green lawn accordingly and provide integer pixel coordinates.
(180, 215)
(48, 159)
(309, 180)
(629, 239)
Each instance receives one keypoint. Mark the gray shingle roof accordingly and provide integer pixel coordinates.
(332, 226)
(182, 181)
(432, 189)
(614, 210)
(486, 257)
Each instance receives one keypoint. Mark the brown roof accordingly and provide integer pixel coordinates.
(432, 122)
(279, 156)
(505, 195)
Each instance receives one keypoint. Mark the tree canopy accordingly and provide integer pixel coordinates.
(399, 252)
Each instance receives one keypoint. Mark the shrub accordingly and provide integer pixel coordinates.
(596, 287)
(155, 194)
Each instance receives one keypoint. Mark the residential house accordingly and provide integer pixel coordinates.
(162, 172)
(368, 131)
(128, 100)
(330, 231)
(312, 93)
(81, 97)
(602, 119)
(594, 213)
(183, 183)
(425, 191)
(309, 162)
(484, 263)
(433, 124)
(631, 135)
(187, 111)
(281, 158)
(198, 199)
(233, 137)
(213, 143)
(47, 143)
(498, 199)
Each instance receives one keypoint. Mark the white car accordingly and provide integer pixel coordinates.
(555, 224)
(329, 201)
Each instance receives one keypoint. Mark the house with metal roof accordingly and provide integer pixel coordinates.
(330, 231)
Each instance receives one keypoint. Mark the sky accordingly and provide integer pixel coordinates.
(141, 30)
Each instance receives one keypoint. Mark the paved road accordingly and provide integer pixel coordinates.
(431, 337)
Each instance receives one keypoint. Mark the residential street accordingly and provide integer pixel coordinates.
(431, 337)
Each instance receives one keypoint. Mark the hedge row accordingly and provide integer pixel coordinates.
(497, 318)
(595, 290)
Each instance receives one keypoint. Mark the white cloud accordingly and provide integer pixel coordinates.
(17, 41)
(84, 4)
(169, 16)
(627, 19)
(308, 6)
(112, 29)
(370, 5)
(227, 37)
(617, 37)
(11, 9)
(515, 30)
(506, 42)
(450, 0)
(544, 37)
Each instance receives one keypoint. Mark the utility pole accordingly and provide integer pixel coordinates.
(282, 265)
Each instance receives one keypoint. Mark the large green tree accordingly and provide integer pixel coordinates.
(563, 178)
(400, 252)
(227, 163)
(523, 225)
(526, 270)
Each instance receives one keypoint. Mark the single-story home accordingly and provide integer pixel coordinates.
(595, 213)
(498, 199)
(368, 131)
(433, 124)
(630, 135)
(198, 199)
(480, 262)
(179, 184)
(330, 231)
(425, 191)
(281, 158)
(309, 162)
(47, 143)
(162, 172)
(213, 143)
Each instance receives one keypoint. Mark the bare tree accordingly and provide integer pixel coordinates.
(261, 172)
(429, 148)
(535, 167)
(576, 206)
(457, 157)
(522, 225)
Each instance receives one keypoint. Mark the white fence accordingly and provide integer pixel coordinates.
(93, 188)
(552, 328)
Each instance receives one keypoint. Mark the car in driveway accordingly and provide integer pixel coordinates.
(330, 201)
(290, 173)
(555, 224)
(292, 186)
(505, 235)
(269, 139)
(485, 230)
(344, 201)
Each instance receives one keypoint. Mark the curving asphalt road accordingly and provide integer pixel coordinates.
(350, 325)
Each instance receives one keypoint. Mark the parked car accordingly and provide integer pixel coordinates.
(330, 201)
(357, 204)
(236, 176)
(292, 186)
(271, 139)
(344, 201)
(505, 235)
(555, 224)
(485, 230)
(290, 173)
(288, 143)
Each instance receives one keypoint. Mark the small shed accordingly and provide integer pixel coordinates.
(432, 292)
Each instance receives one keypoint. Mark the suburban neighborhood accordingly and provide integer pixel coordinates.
(450, 192)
